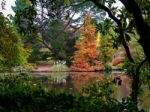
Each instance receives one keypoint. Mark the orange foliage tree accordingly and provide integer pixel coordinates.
(85, 58)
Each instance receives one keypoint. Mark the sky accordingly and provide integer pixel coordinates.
(10, 3)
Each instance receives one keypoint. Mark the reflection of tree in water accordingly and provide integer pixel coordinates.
(80, 80)
(70, 85)
(123, 85)
(74, 82)
(58, 80)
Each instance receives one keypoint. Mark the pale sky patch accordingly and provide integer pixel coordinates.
(8, 10)
(9, 3)
(118, 3)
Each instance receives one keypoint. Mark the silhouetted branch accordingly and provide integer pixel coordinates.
(101, 6)
(107, 10)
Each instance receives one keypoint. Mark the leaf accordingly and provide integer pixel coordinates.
(67, 2)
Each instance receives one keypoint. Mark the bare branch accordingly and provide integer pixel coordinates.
(70, 19)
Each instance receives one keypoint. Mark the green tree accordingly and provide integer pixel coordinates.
(106, 48)
(12, 52)
(60, 41)
(40, 17)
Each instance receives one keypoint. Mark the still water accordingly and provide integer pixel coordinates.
(74, 81)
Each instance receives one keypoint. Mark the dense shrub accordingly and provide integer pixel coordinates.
(19, 94)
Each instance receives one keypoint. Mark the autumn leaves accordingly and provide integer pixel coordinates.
(85, 57)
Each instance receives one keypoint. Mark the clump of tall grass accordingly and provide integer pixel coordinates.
(59, 66)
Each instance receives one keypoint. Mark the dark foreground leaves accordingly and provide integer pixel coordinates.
(19, 94)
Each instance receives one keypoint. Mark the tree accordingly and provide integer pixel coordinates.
(106, 47)
(59, 40)
(45, 18)
(12, 52)
(23, 20)
(143, 30)
(2, 6)
(85, 58)
(33, 17)
(133, 15)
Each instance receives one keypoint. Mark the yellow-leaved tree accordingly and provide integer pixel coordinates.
(12, 52)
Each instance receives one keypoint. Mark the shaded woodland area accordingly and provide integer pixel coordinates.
(75, 36)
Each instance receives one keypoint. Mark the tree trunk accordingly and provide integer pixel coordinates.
(135, 89)
(142, 28)
(145, 43)
(136, 83)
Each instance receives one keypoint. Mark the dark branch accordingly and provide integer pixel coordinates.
(134, 9)
(127, 4)
(45, 44)
(107, 10)
(99, 5)
(70, 19)
(127, 50)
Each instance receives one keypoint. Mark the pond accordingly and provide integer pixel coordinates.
(74, 81)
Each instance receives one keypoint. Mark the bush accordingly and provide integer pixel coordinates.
(19, 94)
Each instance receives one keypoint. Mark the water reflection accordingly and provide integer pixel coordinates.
(78, 80)
(74, 81)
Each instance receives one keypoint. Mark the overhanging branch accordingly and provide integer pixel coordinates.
(99, 5)
(107, 10)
